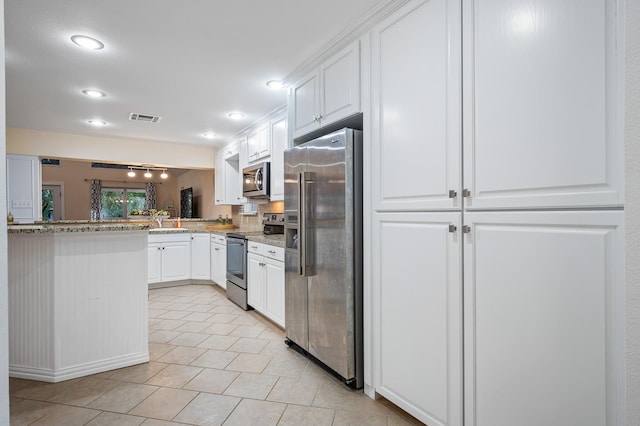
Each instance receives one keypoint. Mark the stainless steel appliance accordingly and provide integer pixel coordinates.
(273, 223)
(323, 260)
(237, 270)
(255, 180)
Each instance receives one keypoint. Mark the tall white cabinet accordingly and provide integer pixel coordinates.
(505, 275)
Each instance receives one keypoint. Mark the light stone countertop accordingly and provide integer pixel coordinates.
(83, 227)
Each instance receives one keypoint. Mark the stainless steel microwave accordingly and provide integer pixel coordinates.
(255, 181)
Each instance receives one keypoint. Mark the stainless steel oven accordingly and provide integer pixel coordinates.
(237, 270)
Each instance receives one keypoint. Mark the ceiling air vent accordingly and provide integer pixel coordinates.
(144, 117)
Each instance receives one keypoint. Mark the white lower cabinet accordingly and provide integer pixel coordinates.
(265, 280)
(219, 260)
(201, 256)
(169, 257)
(417, 300)
(543, 294)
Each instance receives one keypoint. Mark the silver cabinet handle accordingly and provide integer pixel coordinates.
(254, 247)
(272, 251)
(216, 249)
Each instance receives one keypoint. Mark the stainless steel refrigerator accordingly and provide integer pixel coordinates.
(323, 261)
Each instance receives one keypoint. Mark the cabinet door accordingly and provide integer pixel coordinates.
(340, 85)
(278, 146)
(264, 141)
(304, 100)
(154, 263)
(176, 261)
(219, 264)
(220, 172)
(255, 281)
(417, 313)
(274, 284)
(201, 256)
(233, 181)
(543, 103)
(416, 117)
(252, 146)
(542, 318)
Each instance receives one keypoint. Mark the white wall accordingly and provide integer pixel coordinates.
(112, 149)
(632, 209)
(4, 309)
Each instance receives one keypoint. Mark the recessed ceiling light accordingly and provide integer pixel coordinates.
(97, 123)
(209, 135)
(235, 115)
(87, 42)
(94, 93)
(275, 84)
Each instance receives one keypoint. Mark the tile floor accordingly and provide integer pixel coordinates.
(211, 364)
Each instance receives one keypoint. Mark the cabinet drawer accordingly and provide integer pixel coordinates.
(266, 250)
(220, 239)
(169, 238)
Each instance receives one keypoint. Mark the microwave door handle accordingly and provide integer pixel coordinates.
(258, 179)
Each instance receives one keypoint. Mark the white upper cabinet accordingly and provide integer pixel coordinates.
(328, 94)
(228, 174)
(24, 184)
(416, 108)
(543, 103)
(219, 185)
(259, 143)
(543, 321)
(278, 145)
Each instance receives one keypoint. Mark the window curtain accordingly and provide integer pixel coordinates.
(95, 198)
(151, 195)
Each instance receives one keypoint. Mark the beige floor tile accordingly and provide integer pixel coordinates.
(314, 372)
(220, 329)
(295, 415)
(174, 376)
(208, 409)
(223, 318)
(252, 412)
(252, 331)
(224, 309)
(156, 422)
(180, 306)
(156, 350)
(161, 298)
(246, 319)
(168, 324)
(84, 391)
(291, 391)
(249, 363)
(182, 299)
(123, 398)
(138, 373)
(174, 315)
(212, 381)
(201, 307)
(113, 419)
(218, 342)
(272, 334)
(161, 306)
(276, 347)
(189, 339)
(156, 313)
(193, 326)
(164, 404)
(27, 411)
(67, 416)
(198, 316)
(42, 391)
(248, 345)
(249, 385)
(213, 358)
(290, 364)
(182, 355)
(338, 396)
(162, 336)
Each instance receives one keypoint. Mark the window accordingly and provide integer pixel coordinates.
(119, 202)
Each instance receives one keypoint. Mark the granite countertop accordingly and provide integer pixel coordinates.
(80, 227)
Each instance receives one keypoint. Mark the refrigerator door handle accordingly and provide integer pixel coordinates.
(305, 179)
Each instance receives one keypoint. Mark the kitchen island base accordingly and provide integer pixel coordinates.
(77, 303)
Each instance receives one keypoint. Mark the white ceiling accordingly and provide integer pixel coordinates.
(190, 62)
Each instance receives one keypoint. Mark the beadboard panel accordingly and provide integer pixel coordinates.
(80, 303)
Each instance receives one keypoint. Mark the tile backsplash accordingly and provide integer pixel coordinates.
(253, 223)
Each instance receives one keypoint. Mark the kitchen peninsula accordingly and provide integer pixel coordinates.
(77, 299)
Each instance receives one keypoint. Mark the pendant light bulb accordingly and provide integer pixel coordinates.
(164, 174)
(147, 174)
(131, 173)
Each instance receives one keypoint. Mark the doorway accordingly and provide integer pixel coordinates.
(52, 202)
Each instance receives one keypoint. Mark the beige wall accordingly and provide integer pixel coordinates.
(202, 183)
(109, 149)
(72, 174)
